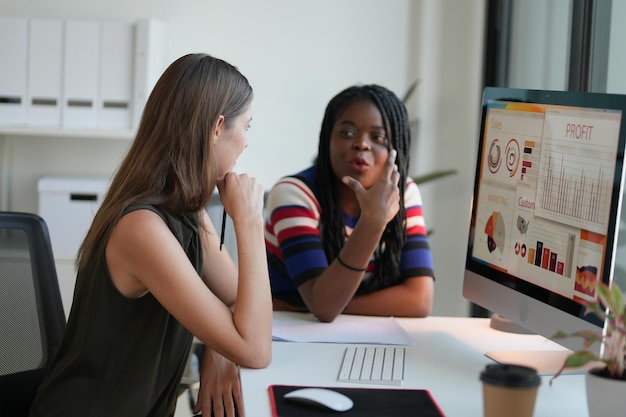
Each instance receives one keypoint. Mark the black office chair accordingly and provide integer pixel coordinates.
(32, 319)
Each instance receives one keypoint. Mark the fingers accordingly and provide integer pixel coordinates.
(242, 182)
(228, 407)
(241, 194)
(391, 161)
(220, 184)
(353, 184)
(395, 176)
(239, 403)
(392, 167)
(224, 406)
(198, 408)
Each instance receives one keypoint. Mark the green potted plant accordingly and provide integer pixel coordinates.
(606, 383)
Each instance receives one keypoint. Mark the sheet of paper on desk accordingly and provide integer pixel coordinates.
(345, 329)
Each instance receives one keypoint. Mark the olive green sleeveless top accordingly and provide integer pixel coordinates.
(119, 356)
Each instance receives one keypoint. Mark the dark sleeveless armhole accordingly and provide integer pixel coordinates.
(136, 207)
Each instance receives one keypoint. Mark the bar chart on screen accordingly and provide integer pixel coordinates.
(575, 184)
(577, 166)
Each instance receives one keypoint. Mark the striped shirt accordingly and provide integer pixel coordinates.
(294, 246)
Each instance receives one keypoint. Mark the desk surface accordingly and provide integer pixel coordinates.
(446, 358)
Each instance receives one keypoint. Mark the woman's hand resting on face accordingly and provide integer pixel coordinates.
(241, 195)
(381, 202)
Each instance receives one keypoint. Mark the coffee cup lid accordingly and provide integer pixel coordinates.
(509, 375)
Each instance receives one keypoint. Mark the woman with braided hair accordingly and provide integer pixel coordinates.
(347, 235)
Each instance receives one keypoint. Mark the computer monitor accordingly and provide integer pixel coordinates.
(545, 211)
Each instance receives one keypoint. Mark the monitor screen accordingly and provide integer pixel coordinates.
(545, 206)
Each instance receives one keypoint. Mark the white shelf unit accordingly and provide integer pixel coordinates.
(29, 152)
(55, 151)
(66, 133)
(10, 134)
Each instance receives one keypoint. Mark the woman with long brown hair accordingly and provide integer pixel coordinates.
(151, 274)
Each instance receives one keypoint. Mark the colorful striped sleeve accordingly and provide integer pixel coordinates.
(295, 251)
(416, 256)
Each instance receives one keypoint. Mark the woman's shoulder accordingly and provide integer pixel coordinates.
(306, 176)
(412, 195)
(178, 223)
(296, 189)
(141, 216)
(303, 181)
(148, 207)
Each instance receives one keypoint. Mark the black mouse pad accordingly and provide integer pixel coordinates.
(368, 402)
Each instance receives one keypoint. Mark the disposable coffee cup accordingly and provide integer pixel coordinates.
(509, 390)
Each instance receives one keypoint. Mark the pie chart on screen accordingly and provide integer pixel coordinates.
(495, 232)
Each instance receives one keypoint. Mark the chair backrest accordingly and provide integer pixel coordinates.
(32, 319)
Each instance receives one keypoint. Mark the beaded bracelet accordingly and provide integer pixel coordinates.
(351, 268)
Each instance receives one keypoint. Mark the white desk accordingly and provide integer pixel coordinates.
(446, 358)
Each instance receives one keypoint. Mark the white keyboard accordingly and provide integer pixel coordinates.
(373, 365)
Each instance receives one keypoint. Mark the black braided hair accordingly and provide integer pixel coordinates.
(397, 129)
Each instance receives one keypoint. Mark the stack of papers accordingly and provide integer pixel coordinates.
(305, 327)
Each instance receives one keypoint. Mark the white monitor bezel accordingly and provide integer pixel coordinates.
(519, 301)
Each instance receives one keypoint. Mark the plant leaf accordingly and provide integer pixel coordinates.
(610, 308)
(618, 300)
(433, 176)
(410, 91)
(606, 298)
(559, 335)
(589, 336)
(575, 360)
(595, 308)
(580, 358)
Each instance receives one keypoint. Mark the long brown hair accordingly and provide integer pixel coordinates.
(171, 163)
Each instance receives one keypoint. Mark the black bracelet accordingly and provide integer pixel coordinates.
(351, 268)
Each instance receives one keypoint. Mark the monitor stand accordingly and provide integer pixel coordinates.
(500, 323)
(546, 362)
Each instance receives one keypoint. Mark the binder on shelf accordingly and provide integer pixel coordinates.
(149, 62)
(116, 71)
(45, 71)
(14, 64)
(81, 69)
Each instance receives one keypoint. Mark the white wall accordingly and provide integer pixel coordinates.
(545, 24)
(449, 103)
(616, 71)
(297, 54)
